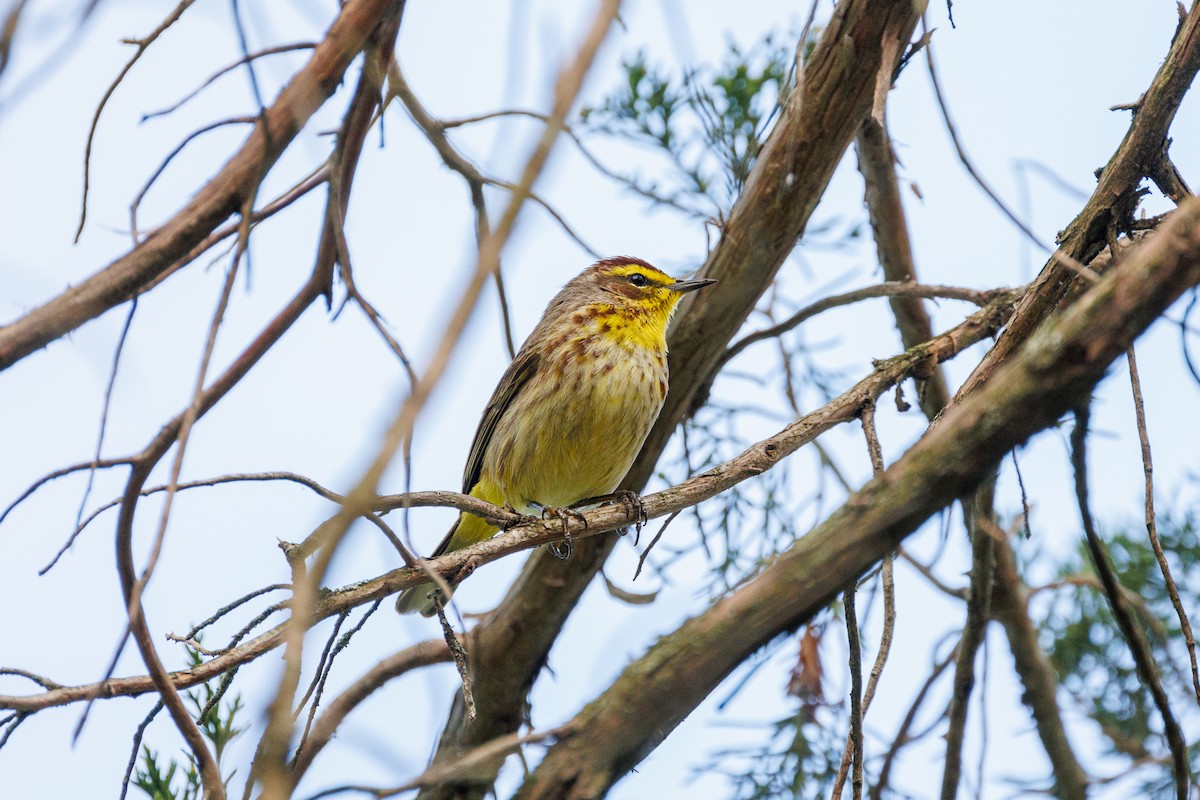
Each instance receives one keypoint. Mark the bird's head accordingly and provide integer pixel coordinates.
(628, 298)
(630, 283)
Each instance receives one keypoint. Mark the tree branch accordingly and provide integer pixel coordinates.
(1036, 672)
(979, 601)
(1135, 637)
(223, 195)
(889, 224)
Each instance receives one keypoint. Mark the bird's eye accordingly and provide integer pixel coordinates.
(638, 279)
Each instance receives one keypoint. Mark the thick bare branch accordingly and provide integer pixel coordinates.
(1036, 672)
(222, 196)
(889, 224)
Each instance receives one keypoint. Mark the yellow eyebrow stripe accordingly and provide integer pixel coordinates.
(652, 275)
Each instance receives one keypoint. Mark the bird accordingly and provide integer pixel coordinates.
(575, 405)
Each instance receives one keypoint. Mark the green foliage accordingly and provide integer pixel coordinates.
(217, 722)
(1091, 657)
(800, 760)
(710, 122)
(160, 785)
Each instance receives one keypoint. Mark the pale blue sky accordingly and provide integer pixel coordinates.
(1026, 81)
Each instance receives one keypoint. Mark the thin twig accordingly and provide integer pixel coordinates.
(342, 644)
(94, 464)
(320, 672)
(856, 710)
(460, 656)
(433, 651)
(108, 391)
(434, 131)
(269, 51)
(137, 746)
(142, 45)
(184, 485)
(889, 289)
(962, 153)
(974, 631)
(1185, 625)
(1134, 636)
(927, 572)
(588, 155)
(154, 176)
(654, 541)
(852, 754)
(902, 738)
(44, 682)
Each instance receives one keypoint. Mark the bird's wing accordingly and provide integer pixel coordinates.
(515, 378)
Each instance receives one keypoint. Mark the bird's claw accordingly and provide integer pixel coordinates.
(562, 550)
(565, 515)
(632, 503)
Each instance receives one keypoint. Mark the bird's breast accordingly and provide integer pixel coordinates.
(574, 431)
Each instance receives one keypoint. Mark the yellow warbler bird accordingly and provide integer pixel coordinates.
(575, 405)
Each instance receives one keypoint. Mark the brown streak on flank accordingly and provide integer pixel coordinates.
(556, 344)
(575, 353)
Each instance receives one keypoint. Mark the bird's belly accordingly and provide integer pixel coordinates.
(576, 435)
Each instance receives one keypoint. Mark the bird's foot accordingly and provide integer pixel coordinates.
(630, 501)
(561, 549)
(565, 515)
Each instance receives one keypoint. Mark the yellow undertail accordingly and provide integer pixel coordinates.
(468, 530)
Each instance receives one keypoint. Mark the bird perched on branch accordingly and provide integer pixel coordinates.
(574, 407)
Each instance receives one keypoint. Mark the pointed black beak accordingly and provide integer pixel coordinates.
(690, 286)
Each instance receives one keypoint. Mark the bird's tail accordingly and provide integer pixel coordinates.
(418, 598)
(467, 530)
